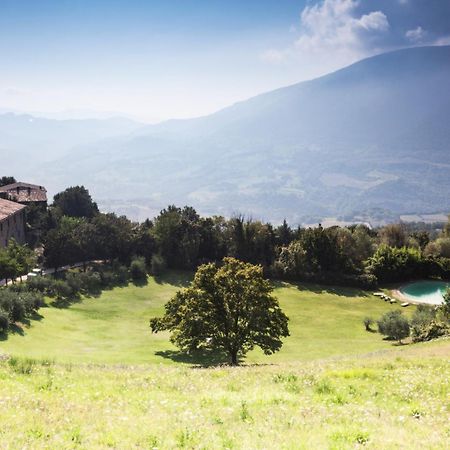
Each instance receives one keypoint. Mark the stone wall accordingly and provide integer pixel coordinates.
(13, 226)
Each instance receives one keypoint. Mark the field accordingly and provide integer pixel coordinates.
(114, 328)
(392, 400)
(92, 376)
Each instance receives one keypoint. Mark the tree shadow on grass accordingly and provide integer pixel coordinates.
(142, 282)
(174, 278)
(196, 359)
(371, 330)
(17, 328)
(343, 291)
(13, 329)
(65, 302)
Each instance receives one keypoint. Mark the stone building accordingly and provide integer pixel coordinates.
(24, 193)
(12, 222)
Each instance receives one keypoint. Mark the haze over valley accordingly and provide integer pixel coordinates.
(370, 141)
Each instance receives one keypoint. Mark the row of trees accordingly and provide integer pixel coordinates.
(74, 230)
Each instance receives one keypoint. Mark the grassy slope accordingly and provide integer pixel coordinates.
(394, 399)
(114, 327)
(385, 397)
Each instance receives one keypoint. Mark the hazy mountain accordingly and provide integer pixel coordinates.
(27, 140)
(373, 135)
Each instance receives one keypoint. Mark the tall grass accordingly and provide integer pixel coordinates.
(391, 400)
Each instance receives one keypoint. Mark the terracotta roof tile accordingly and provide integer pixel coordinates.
(25, 192)
(8, 208)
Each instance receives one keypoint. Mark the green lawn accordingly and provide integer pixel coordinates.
(114, 328)
(333, 385)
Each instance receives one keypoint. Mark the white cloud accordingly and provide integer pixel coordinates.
(416, 35)
(331, 26)
(331, 35)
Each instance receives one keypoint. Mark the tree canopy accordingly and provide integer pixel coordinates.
(5, 180)
(75, 202)
(228, 307)
(394, 325)
(15, 260)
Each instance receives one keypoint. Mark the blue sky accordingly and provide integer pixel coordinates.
(160, 59)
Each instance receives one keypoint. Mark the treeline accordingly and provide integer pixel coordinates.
(73, 230)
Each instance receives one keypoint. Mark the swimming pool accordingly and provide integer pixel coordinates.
(430, 292)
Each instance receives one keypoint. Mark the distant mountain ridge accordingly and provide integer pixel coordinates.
(375, 134)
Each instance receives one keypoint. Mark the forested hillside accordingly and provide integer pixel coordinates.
(373, 135)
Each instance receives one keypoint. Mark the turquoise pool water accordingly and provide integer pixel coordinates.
(431, 292)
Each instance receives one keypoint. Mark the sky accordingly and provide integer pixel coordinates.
(159, 59)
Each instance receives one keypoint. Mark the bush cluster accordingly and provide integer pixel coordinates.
(138, 269)
(17, 306)
(18, 302)
(72, 284)
(427, 323)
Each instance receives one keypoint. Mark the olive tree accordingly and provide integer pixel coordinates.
(394, 325)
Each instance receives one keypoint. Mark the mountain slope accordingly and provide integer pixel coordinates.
(374, 134)
(35, 139)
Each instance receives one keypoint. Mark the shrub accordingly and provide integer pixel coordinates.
(429, 323)
(138, 271)
(367, 281)
(120, 273)
(106, 277)
(16, 306)
(428, 331)
(158, 265)
(423, 315)
(4, 321)
(394, 325)
(61, 289)
(6, 300)
(90, 282)
(75, 281)
(32, 301)
(446, 305)
(17, 312)
(40, 284)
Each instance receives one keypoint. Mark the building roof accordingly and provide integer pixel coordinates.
(25, 192)
(8, 208)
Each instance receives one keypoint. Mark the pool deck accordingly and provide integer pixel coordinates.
(396, 293)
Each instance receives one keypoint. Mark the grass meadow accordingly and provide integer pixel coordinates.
(114, 327)
(92, 376)
(394, 399)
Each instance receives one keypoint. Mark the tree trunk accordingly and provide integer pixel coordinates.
(234, 358)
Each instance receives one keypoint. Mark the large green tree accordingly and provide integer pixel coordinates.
(228, 307)
(75, 202)
(60, 244)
